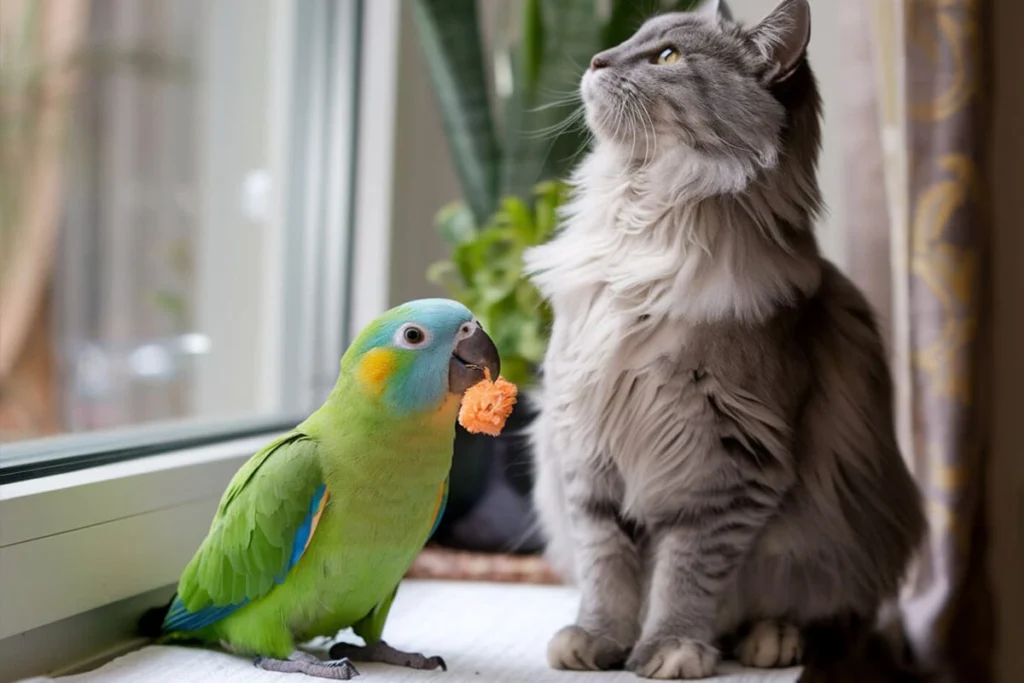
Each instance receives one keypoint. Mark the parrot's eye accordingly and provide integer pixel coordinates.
(412, 336)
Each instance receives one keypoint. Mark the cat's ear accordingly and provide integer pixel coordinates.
(707, 9)
(783, 35)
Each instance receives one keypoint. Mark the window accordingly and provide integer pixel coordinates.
(177, 196)
(190, 233)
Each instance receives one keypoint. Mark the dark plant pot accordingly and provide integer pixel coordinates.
(489, 507)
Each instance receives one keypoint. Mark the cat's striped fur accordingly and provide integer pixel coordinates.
(715, 451)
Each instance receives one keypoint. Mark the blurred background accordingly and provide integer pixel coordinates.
(201, 203)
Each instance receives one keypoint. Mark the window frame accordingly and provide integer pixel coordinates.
(88, 521)
(40, 458)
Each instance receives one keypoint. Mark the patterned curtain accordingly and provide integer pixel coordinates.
(932, 69)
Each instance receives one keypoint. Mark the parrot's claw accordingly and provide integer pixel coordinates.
(385, 654)
(339, 669)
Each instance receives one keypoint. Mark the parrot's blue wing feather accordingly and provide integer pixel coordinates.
(252, 546)
(442, 502)
(305, 531)
(180, 619)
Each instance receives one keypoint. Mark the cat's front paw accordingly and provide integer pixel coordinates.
(673, 658)
(578, 649)
(771, 644)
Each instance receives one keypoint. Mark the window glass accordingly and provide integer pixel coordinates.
(141, 260)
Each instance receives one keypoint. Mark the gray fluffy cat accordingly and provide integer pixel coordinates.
(716, 455)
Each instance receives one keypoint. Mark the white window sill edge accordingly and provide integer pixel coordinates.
(80, 643)
(78, 541)
(485, 632)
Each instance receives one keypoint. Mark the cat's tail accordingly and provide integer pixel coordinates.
(853, 650)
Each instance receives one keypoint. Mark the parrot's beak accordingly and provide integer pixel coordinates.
(470, 357)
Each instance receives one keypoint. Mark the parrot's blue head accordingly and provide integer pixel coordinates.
(417, 355)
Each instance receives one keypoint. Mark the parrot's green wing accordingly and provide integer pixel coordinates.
(265, 520)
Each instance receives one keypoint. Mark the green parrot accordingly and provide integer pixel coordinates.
(317, 529)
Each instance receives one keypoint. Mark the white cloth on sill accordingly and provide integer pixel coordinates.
(486, 632)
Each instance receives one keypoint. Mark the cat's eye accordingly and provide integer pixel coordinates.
(669, 55)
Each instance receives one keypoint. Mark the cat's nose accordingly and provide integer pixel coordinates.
(598, 61)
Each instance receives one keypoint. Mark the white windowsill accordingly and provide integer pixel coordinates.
(76, 541)
(485, 632)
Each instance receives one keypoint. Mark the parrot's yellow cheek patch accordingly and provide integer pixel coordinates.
(375, 368)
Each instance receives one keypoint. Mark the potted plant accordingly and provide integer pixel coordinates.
(511, 140)
(485, 273)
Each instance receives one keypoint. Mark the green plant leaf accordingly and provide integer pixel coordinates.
(486, 274)
(687, 5)
(533, 341)
(446, 275)
(517, 370)
(533, 44)
(549, 197)
(544, 129)
(468, 260)
(516, 216)
(449, 33)
(497, 267)
(455, 224)
(681, 5)
(626, 17)
(514, 134)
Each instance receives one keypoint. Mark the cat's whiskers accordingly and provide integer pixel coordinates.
(574, 119)
(554, 104)
(588, 137)
(654, 130)
(619, 119)
(646, 99)
(634, 119)
(632, 124)
(623, 115)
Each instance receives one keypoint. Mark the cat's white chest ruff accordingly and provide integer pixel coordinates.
(602, 327)
(625, 401)
(611, 361)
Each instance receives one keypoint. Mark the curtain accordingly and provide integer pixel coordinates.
(931, 71)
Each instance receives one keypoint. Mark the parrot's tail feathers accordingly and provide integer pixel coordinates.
(152, 621)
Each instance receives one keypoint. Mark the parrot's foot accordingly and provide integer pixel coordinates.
(385, 654)
(337, 669)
